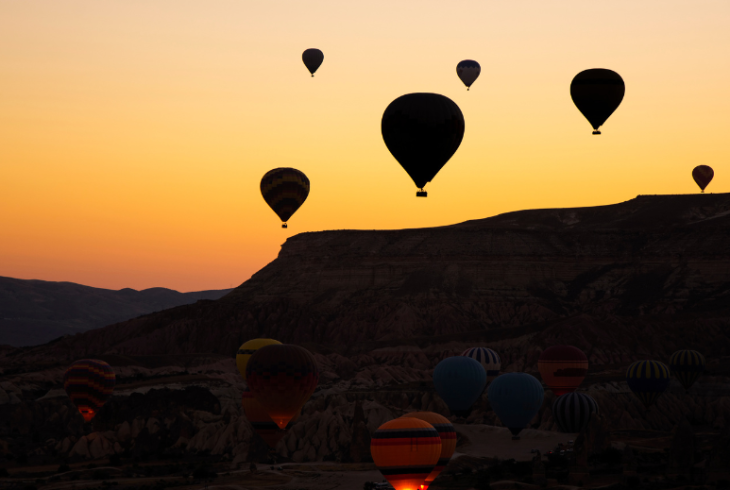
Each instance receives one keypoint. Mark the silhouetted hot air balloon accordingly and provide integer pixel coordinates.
(468, 71)
(312, 58)
(687, 365)
(284, 190)
(261, 422)
(422, 131)
(89, 383)
(573, 411)
(703, 175)
(282, 378)
(459, 381)
(406, 450)
(562, 368)
(448, 441)
(515, 398)
(648, 380)
(247, 349)
(597, 93)
(488, 358)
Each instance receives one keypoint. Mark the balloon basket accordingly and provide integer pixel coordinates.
(596, 132)
(421, 194)
(284, 225)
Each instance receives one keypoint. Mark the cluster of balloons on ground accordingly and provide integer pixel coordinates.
(423, 131)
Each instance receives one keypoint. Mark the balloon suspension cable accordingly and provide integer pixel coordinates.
(596, 132)
(283, 225)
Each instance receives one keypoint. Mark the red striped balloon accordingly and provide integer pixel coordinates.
(447, 433)
(89, 383)
(562, 368)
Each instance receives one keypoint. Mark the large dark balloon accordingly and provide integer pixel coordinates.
(597, 93)
(515, 398)
(573, 411)
(468, 71)
(282, 377)
(89, 383)
(284, 190)
(687, 365)
(648, 380)
(459, 381)
(562, 368)
(312, 58)
(422, 131)
(703, 175)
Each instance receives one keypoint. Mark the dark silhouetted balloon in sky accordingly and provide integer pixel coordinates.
(648, 380)
(703, 175)
(597, 93)
(284, 190)
(312, 58)
(422, 131)
(89, 383)
(468, 71)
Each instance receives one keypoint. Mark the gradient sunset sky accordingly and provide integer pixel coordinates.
(134, 133)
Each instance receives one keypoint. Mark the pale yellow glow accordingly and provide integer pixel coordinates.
(133, 134)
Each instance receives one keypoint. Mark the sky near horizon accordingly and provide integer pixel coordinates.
(134, 133)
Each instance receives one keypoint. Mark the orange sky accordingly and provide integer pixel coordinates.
(134, 133)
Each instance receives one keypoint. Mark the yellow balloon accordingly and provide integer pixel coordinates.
(246, 351)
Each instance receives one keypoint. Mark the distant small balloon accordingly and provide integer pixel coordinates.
(312, 59)
(687, 365)
(597, 93)
(703, 175)
(89, 383)
(648, 380)
(468, 71)
(488, 358)
(563, 368)
(573, 411)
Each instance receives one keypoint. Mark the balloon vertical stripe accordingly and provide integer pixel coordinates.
(488, 358)
(648, 380)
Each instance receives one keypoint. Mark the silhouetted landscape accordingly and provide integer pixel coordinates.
(379, 310)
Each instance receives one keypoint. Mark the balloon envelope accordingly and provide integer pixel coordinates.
(405, 450)
(459, 381)
(282, 378)
(468, 71)
(648, 380)
(422, 131)
(488, 358)
(312, 59)
(284, 190)
(447, 433)
(573, 411)
(597, 93)
(703, 175)
(261, 422)
(563, 368)
(687, 365)
(89, 383)
(515, 398)
(247, 349)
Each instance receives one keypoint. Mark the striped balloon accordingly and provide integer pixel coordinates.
(89, 383)
(516, 398)
(282, 377)
(261, 422)
(447, 433)
(648, 380)
(459, 381)
(246, 351)
(487, 358)
(406, 450)
(573, 411)
(284, 190)
(687, 365)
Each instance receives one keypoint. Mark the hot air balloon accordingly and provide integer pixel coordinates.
(648, 380)
(261, 422)
(687, 365)
(284, 190)
(282, 378)
(448, 441)
(562, 368)
(459, 381)
(597, 93)
(312, 58)
(487, 358)
(422, 131)
(89, 383)
(573, 411)
(468, 71)
(406, 450)
(246, 351)
(515, 398)
(703, 175)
